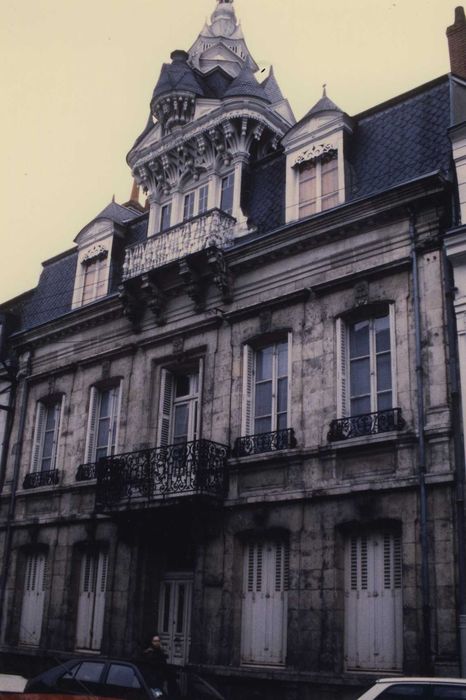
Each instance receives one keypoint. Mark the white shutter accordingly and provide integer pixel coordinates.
(290, 368)
(85, 602)
(248, 385)
(115, 418)
(198, 418)
(59, 410)
(393, 355)
(342, 368)
(38, 437)
(91, 603)
(33, 600)
(91, 436)
(99, 601)
(165, 407)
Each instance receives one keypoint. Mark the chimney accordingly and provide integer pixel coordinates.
(456, 35)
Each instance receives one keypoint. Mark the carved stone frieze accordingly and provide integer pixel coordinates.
(97, 252)
(193, 284)
(221, 274)
(315, 152)
(133, 307)
(155, 297)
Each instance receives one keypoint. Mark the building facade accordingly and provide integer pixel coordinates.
(233, 415)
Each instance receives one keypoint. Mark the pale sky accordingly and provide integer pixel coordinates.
(76, 78)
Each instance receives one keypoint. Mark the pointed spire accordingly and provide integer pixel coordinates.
(134, 196)
(324, 90)
(271, 87)
(325, 104)
(246, 85)
(113, 198)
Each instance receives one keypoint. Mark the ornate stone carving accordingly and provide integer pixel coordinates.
(155, 297)
(314, 153)
(178, 345)
(133, 308)
(361, 293)
(221, 274)
(193, 284)
(97, 252)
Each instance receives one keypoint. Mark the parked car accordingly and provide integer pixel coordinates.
(410, 688)
(118, 678)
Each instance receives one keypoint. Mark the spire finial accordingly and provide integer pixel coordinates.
(324, 90)
(113, 199)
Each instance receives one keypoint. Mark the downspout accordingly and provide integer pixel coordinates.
(14, 487)
(426, 667)
(9, 408)
(458, 446)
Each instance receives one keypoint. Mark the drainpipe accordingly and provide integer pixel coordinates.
(9, 408)
(458, 446)
(23, 376)
(425, 585)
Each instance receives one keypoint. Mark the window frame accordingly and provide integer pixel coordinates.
(43, 407)
(168, 402)
(97, 289)
(229, 179)
(166, 207)
(95, 403)
(343, 325)
(318, 166)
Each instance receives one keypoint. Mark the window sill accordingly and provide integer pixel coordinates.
(366, 441)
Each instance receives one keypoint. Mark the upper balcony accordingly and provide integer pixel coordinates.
(375, 423)
(147, 478)
(212, 229)
(191, 253)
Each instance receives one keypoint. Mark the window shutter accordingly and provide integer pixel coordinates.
(342, 362)
(59, 410)
(290, 366)
(198, 425)
(92, 425)
(248, 381)
(115, 421)
(38, 437)
(165, 407)
(393, 354)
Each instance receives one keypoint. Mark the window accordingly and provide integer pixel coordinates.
(366, 364)
(32, 610)
(226, 200)
(203, 198)
(188, 206)
(165, 216)
(102, 427)
(318, 186)
(46, 434)
(265, 602)
(94, 279)
(266, 395)
(179, 414)
(91, 603)
(373, 602)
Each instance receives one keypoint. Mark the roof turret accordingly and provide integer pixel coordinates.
(174, 96)
(246, 85)
(325, 104)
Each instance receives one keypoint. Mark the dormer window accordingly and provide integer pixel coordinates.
(318, 185)
(165, 216)
(94, 282)
(226, 199)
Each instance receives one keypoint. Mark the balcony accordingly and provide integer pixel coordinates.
(366, 424)
(212, 229)
(33, 480)
(146, 477)
(264, 442)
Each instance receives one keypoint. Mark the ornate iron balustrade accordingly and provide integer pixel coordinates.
(86, 472)
(366, 424)
(189, 469)
(33, 480)
(213, 229)
(264, 442)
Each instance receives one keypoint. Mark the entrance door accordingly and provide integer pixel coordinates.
(91, 604)
(175, 616)
(33, 600)
(373, 603)
(265, 599)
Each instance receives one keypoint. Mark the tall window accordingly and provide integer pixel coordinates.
(46, 434)
(165, 216)
(32, 609)
(91, 603)
(179, 411)
(203, 198)
(95, 279)
(366, 364)
(226, 200)
(102, 428)
(188, 206)
(318, 186)
(266, 388)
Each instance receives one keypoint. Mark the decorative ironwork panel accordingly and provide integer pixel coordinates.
(366, 424)
(265, 442)
(86, 472)
(191, 468)
(51, 477)
(212, 229)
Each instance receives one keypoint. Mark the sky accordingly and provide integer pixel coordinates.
(76, 77)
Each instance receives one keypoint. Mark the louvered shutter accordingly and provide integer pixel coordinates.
(33, 600)
(198, 418)
(91, 603)
(99, 601)
(342, 368)
(290, 366)
(115, 418)
(91, 435)
(248, 385)
(165, 407)
(59, 411)
(38, 437)
(393, 354)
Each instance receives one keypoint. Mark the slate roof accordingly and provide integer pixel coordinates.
(400, 141)
(272, 88)
(265, 195)
(325, 104)
(177, 76)
(115, 212)
(246, 85)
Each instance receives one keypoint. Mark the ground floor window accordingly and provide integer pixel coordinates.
(32, 610)
(265, 602)
(373, 602)
(91, 602)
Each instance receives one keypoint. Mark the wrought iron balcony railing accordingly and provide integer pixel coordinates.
(264, 442)
(366, 424)
(213, 228)
(191, 469)
(86, 472)
(33, 480)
